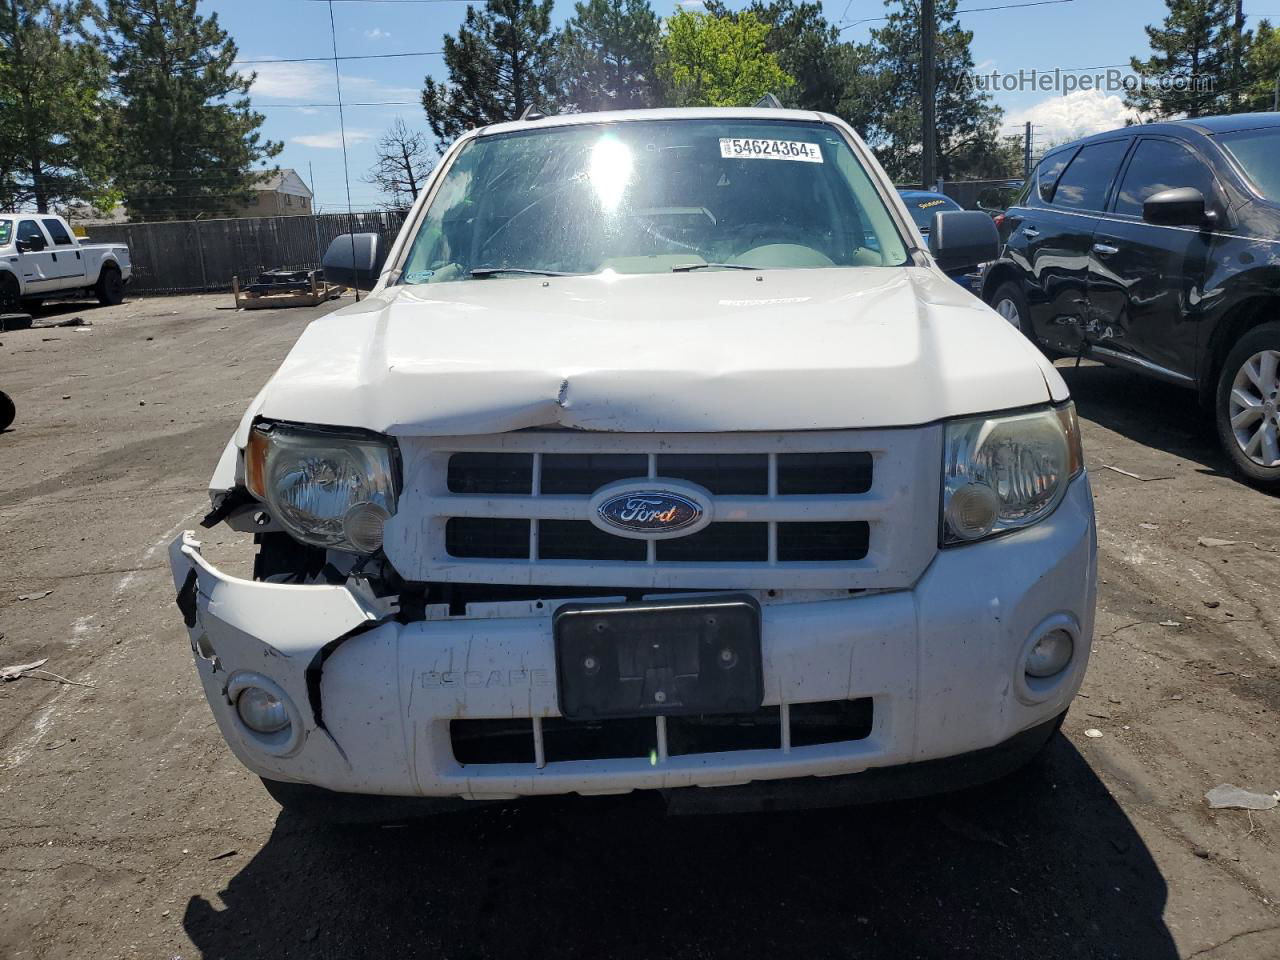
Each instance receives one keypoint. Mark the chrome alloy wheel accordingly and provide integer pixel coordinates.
(1254, 408)
(1009, 310)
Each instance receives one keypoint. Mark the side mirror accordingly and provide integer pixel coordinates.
(31, 245)
(962, 239)
(354, 260)
(1183, 207)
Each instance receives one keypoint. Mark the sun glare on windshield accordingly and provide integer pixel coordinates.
(610, 171)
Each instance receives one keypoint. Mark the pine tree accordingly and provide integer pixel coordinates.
(1193, 51)
(968, 123)
(607, 52)
(53, 85)
(189, 142)
(501, 61)
(1262, 70)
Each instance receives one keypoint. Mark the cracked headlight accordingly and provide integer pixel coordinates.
(1003, 473)
(328, 488)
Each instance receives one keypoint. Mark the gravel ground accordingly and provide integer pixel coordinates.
(128, 830)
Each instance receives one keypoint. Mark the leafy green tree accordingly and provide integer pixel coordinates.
(1262, 70)
(1195, 46)
(502, 61)
(968, 123)
(188, 141)
(53, 105)
(607, 56)
(807, 46)
(705, 60)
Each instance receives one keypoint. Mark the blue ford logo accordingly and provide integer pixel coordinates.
(649, 511)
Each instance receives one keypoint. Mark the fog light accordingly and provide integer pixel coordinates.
(972, 511)
(261, 710)
(363, 525)
(1050, 655)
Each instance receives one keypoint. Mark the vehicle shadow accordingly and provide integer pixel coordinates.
(1044, 864)
(1149, 412)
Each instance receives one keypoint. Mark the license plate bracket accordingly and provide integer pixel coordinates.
(661, 658)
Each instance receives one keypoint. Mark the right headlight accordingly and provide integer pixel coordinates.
(328, 488)
(1003, 473)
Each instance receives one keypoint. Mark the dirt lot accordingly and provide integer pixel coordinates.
(128, 830)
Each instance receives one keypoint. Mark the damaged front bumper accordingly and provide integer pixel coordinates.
(371, 697)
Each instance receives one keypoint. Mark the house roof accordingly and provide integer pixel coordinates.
(274, 180)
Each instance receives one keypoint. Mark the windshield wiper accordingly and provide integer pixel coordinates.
(481, 272)
(687, 267)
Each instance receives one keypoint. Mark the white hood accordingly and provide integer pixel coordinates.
(692, 352)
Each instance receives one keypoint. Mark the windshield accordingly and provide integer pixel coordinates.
(922, 209)
(652, 197)
(1258, 151)
(6, 228)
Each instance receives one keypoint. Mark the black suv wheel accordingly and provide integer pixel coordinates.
(1247, 410)
(1011, 303)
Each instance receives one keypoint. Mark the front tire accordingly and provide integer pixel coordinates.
(1011, 303)
(8, 412)
(110, 286)
(1247, 407)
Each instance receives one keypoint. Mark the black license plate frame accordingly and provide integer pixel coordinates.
(678, 657)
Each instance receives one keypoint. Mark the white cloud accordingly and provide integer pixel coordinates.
(314, 81)
(1079, 114)
(377, 33)
(332, 140)
(292, 81)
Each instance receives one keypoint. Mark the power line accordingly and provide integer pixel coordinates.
(367, 56)
(345, 103)
(1007, 6)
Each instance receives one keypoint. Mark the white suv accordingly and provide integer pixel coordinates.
(661, 455)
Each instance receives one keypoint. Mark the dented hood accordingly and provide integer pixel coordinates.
(707, 351)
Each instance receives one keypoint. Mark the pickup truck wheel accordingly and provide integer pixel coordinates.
(10, 294)
(1248, 406)
(7, 411)
(110, 287)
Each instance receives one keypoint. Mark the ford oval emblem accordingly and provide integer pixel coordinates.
(651, 511)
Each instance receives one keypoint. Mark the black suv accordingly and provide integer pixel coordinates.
(1157, 248)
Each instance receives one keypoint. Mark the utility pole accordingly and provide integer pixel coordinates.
(1237, 58)
(928, 92)
(1026, 153)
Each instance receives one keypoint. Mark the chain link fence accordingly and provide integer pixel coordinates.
(191, 256)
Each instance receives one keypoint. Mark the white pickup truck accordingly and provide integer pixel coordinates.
(40, 257)
(663, 455)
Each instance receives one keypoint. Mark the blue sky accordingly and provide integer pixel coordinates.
(1073, 34)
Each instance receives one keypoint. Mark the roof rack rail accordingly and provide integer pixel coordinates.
(769, 102)
(531, 112)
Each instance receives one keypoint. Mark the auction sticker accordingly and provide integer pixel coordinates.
(749, 149)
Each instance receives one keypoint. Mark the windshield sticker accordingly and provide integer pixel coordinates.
(736, 148)
(931, 203)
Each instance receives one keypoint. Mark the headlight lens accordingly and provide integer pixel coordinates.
(1007, 472)
(328, 489)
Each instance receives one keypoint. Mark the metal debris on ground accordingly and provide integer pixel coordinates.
(1093, 733)
(16, 671)
(37, 595)
(285, 288)
(1133, 476)
(1227, 796)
